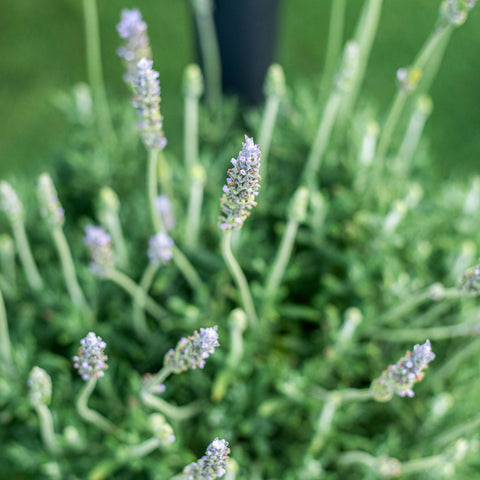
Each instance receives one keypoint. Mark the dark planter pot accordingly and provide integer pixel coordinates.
(247, 32)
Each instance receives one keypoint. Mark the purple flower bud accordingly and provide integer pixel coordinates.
(91, 361)
(50, 207)
(99, 245)
(212, 464)
(400, 377)
(165, 209)
(147, 103)
(160, 248)
(192, 351)
(242, 187)
(136, 46)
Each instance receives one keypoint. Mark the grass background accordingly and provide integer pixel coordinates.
(43, 52)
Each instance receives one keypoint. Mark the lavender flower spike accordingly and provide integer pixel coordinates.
(192, 351)
(91, 361)
(50, 207)
(9, 201)
(146, 101)
(136, 46)
(211, 465)
(160, 248)
(99, 245)
(400, 377)
(40, 385)
(242, 187)
(165, 209)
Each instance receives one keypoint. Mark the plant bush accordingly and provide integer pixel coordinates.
(289, 323)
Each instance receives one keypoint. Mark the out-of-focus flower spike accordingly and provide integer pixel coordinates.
(349, 67)
(400, 377)
(165, 209)
(147, 103)
(160, 248)
(133, 30)
(455, 12)
(40, 386)
(99, 244)
(212, 464)
(275, 81)
(191, 352)
(9, 202)
(50, 208)
(193, 81)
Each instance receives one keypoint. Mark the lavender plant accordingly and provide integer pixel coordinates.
(355, 250)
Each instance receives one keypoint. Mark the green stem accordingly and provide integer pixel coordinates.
(171, 411)
(46, 427)
(281, 260)
(89, 415)
(26, 257)
(421, 464)
(5, 349)
(153, 189)
(210, 53)
(358, 457)
(433, 333)
(190, 137)
(266, 131)
(136, 292)
(139, 321)
(321, 140)
(324, 424)
(192, 226)
(112, 222)
(68, 268)
(334, 46)
(420, 63)
(459, 431)
(365, 35)
(239, 278)
(344, 395)
(189, 272)
(143, 449)
(94, 70)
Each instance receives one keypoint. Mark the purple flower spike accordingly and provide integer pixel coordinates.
(99, 245)
(212, 464)
(160, 248)
(147, 103)
(191, 352)
(91, 361)
(400, 377)
(136, 46)
(241, 188)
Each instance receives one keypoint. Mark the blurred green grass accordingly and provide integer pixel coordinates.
(43, 52)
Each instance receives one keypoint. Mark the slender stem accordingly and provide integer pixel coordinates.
(5, 349)
(358, 457)
(94, 70)
(68, 268)
(266, 131)
(139, 321)
(321, 140)
(189, 272)
(176, 413)
(26, 257)
(159, 378)
(324, 424)
(459, 431)
(282, 258)
(365, 35)
(46, 427)
(239, 279)
(190, 137)
(421, 464)
(192, 226)
(112, 222)
(143, 449)
(434, 333)
(163, 174)
(420, 63)
(334, 45)
(90, 415)
(344, 395)
(210, 52)
(153, 189)
(137, 293)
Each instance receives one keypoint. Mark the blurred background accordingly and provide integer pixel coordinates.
(43, 53)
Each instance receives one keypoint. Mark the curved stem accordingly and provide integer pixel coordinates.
(46, 427)
(176, 413)
(94, 70)
(136, 292)
(143, 449)
(239, 278)
(68, 268)
(89, 415)
(139, 321)
(266, 131)
(5, 349)
(26, 257)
